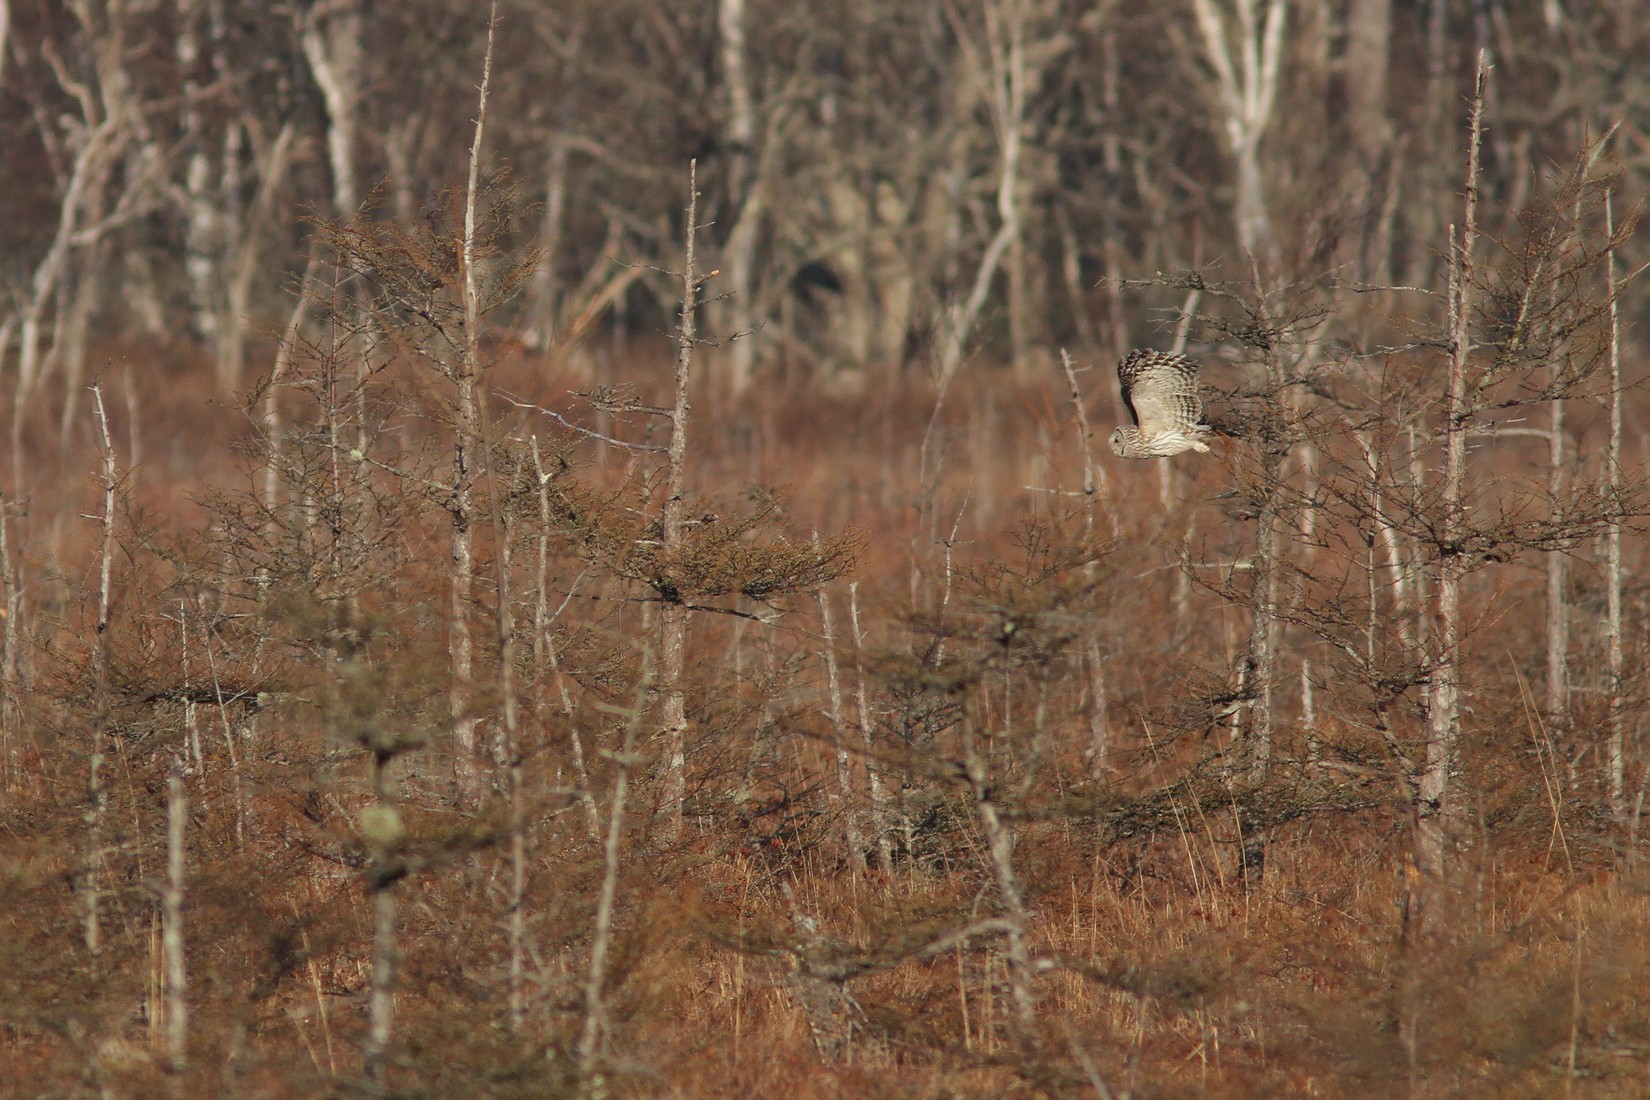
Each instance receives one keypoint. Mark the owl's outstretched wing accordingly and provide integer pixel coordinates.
(1161, 390)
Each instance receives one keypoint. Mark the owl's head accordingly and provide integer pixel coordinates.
(1121, 444)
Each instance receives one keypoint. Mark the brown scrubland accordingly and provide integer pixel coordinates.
(646, 647)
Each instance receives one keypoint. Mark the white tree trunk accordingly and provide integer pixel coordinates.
(1006, 80)
(468, 455)
(1557, 706)
(1443, 726)
(847, 808)
(202, 212)
(332, 46)
(744, 193)
(173, 970)
(1246, 79)
(673, 612)
(1615, 693)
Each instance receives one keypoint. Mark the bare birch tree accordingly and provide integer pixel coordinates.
(331, 34)
(673, 613)
(103, 182)
(1615, 695)
(1006, 69)
(744, 194)
(468, 444)
(1443, 727)
(1244, 47)
(173, 967)
(96, 792)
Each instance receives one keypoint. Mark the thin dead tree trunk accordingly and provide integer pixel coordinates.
(1385, 555)
(245, 259)
(11, 610)
(171, 923)
(1111, 212)
(1099, 733)
(873, 769)
(1557, 708)
(242, 812)
(467, 453)
(546, 661)
(544, 296)
(1165, 483)
(1616, 750)
(848, 811)
(1443, 720)
(1261, 658)
(999, 845)
(96, 797)
(511, 750)
(1261, 654)
(272, 390)
(673, 612)
(518, 809)
(601, 932)
(382, 831)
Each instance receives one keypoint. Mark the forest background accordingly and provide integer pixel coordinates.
(563, 549)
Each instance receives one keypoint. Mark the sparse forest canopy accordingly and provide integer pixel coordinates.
(567, 549)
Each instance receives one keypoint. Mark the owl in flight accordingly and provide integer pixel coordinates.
(1161, 390)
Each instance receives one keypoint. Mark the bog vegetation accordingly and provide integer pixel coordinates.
(636, 602)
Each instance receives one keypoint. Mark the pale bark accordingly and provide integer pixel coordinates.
(1557, 703)
(1430, 174)
(1261, 655)
(468, 445)
(1099, 732)
(202, 215)
(744, 194)
(331, 36)
(847, 810)
(513, 757)
(601, 930)
(1443, 719)
(1246, 74)
(1111, 160)
(673, 612)
(1007, 75)
(1386, 558)
(543, 293)
(1615, 693)
(11, 609)
(243, 240)
(97, 145)
(173, 969)
(873, 769)
(999, 845)
(96, 796)
(546, 661)
(383, 833)
(272, 428)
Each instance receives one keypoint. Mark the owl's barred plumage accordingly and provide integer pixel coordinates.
(1161, 390)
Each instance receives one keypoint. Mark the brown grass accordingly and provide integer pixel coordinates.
(1166, 973)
